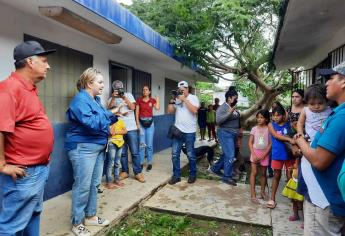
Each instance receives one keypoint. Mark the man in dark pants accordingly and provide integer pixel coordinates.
(185, 106)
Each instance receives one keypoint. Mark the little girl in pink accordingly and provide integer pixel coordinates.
(260, 147)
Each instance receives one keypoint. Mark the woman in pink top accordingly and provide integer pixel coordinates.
(144, 118)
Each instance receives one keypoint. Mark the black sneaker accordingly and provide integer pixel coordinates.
(230, 182)
(174, 180)
(191, 179)
(149, 167)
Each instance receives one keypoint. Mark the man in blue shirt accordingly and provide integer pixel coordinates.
(325, 215)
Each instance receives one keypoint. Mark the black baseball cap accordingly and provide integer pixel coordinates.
(28, 49)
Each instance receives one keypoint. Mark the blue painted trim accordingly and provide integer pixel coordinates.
(61, 174)
(123, 18)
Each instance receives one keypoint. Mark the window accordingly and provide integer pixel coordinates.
(169, 85)
(58, 89)
(118, 72)
(140, 79)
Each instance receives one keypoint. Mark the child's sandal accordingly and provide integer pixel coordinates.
(271, 204)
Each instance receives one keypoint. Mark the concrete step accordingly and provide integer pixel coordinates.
(113, 205)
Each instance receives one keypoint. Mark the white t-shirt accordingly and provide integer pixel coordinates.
(185, 120)
(128, 115)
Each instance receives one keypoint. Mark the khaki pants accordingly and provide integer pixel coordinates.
(321, 222)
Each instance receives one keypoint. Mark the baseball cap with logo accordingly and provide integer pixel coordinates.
(28, 49)
(339, 69)
(182, 84)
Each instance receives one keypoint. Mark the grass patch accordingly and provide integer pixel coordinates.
(148, 223)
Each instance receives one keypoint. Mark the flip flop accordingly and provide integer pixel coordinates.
(255, 200)
(271, 204)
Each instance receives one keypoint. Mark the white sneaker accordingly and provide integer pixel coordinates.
(80, 230)
(98, 222)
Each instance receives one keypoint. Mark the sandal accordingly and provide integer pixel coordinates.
(255, 200)
(293, 218)
(271, 204)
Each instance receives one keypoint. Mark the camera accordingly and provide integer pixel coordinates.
(176, 93)
(121, 92)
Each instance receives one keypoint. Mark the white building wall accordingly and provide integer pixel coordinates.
(14, 24)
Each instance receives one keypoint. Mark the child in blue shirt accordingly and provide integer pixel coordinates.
(279, 128)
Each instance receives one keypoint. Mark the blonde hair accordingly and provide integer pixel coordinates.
(88, 76)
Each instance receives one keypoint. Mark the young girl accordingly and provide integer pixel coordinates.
(260, 146)
(279, 129)
(290, 192)
(115, 144)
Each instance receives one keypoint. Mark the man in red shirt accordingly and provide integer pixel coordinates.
(26, 141)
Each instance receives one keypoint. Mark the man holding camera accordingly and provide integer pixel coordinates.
(186, 106)
(127, 103)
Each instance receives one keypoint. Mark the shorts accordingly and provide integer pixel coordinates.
(278, 164)
(263, 162)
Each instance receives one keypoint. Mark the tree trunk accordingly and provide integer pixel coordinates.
(248, 117)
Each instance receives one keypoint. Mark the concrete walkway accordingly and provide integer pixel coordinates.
(211, 199)
(113, 204)
(204, 198)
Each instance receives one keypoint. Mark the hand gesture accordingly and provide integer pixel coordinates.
(298, 135)
(232, 109)
(157, 98)
(181, 97)
(292, 141)
(14, 171)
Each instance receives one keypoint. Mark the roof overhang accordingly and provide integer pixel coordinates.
(308, 31)
(136, 39)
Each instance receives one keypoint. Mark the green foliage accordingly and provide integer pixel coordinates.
(148, 223)
(251, 91)
(205, 92)
(222, 37)
(197, 27)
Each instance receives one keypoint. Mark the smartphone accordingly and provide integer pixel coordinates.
(233, 103)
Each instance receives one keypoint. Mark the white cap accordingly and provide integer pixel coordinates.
(182, 84)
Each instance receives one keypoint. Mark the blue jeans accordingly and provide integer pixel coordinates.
(22, 202)
(146, 143)
(87, 162)
(131, 141)
(188, 139)
(114, 157)
(227, 141)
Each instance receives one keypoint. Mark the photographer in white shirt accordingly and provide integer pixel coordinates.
(185, 106)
